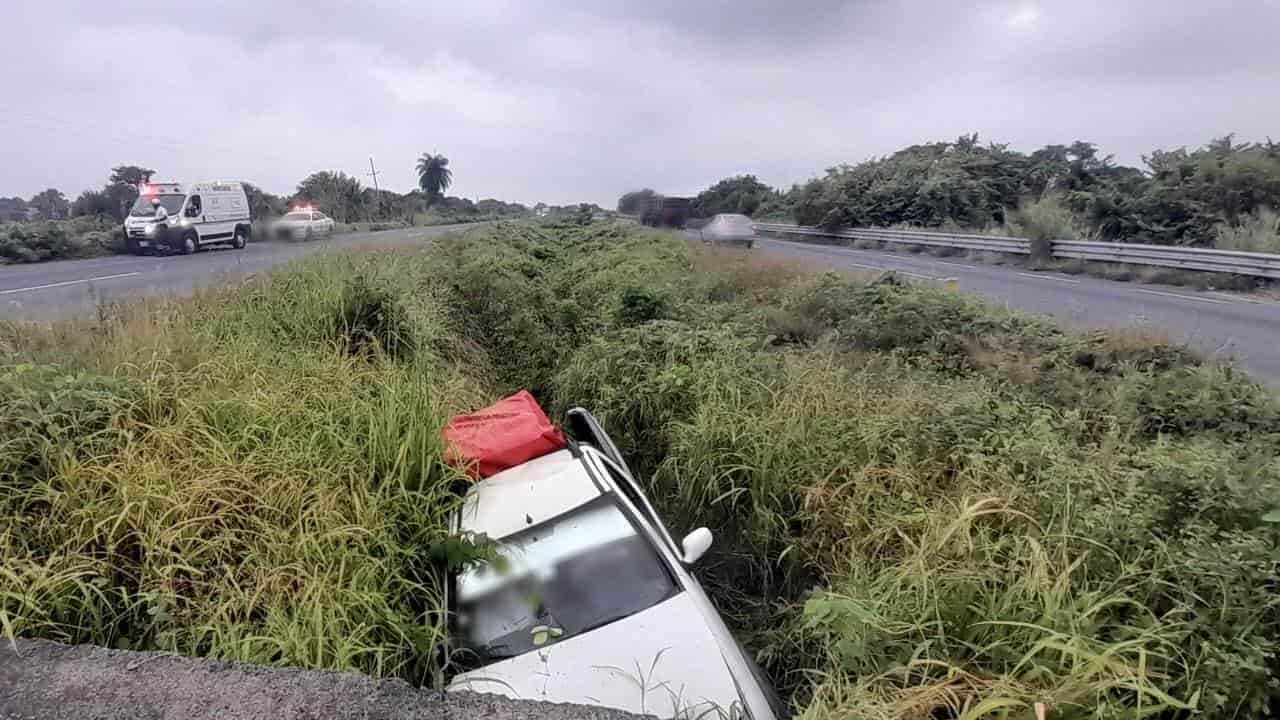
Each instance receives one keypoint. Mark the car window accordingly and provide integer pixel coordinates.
(558, 579)
(194, 207)
(297, 216)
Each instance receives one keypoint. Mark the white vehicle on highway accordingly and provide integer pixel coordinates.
(729, 229)
(303, 223)
(195, 215)
(593, 602)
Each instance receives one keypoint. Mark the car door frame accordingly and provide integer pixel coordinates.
(624, 486)
(764, 692)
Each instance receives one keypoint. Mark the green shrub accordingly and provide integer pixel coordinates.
(57, 239)
(1255, 232)
(1042, 221)
(639, 305)
(1197, 400)
(639, 380)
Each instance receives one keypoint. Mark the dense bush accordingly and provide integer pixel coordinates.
(1219, 192)
(57, 239)
(925, 507)
(742, 195)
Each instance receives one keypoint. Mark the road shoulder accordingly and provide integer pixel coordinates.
(41, 679)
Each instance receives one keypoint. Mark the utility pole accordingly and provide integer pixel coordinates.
(377, 194)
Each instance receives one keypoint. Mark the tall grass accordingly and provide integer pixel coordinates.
(251, 487)
(1256, 232)
(925, 507)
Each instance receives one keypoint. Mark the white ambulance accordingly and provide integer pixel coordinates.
(184, 217)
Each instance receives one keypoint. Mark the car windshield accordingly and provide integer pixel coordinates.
(298, 216)
(564, 577)
(736, 223)
(143, 208)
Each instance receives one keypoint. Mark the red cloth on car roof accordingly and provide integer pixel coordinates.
(509, 432)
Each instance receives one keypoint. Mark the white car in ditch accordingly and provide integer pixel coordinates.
(594, 603)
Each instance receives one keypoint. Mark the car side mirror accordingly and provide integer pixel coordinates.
(695, 545)
(193, 212)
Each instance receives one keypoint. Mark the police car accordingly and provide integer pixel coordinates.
(303, 223)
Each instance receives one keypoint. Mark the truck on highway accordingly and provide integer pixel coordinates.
(185, 217)
(664, 211)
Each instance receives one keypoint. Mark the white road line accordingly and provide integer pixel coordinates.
(1049, 277)
(1241, 297)
(959, 265)
(68, 282)
(889, 269)
(1180, 296)
(869, 267)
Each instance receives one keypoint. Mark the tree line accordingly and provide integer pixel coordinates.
(113, 200)
(1199, 197)
(340, 195)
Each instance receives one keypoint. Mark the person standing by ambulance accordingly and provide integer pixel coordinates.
(161, 222)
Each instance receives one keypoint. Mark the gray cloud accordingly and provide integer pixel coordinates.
(564, 102)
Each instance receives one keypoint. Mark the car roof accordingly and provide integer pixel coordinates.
(527, 494)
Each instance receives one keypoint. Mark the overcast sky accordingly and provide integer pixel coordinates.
(566, 102)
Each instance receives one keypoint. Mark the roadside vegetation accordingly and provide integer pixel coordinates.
(1223, 194)
(25, 242)
(925, 507)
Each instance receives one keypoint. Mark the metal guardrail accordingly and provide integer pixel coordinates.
(1222, 261)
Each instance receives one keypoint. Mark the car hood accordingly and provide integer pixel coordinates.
(663, 661)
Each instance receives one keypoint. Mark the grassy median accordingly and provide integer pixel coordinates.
(924, 506)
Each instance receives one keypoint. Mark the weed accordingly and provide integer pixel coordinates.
(1255, 232)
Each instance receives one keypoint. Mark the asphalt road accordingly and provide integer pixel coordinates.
(1219, 324)
(47, 291)
(45, 680)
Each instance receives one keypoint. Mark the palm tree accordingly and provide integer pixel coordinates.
(434, 176)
